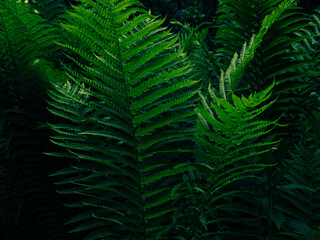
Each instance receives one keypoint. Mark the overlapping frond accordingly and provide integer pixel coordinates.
(274, 58)
(26, 42)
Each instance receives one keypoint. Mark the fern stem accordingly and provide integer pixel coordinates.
(135, 141)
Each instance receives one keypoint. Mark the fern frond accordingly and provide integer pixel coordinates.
(302, 203)
(229, 134)
(272, 59)
(126, 90)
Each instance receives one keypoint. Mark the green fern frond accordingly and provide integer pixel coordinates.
(273, 58)
(126, 89)
(229, 135)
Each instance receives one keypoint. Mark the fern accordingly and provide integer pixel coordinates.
(118, 107)
(228, 134)
(140, 157)
(26, 40)
(303, 203)
(193, 41)
(274, 58)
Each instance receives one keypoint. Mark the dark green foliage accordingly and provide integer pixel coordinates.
(302, 204)
(274, 58)
(150, 134)
(9, 211)
(194, 12)
(49, 9)
(26, 41)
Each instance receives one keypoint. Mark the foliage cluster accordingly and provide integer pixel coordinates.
(149, 134)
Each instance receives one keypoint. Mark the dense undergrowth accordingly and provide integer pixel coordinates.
(150, 134)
